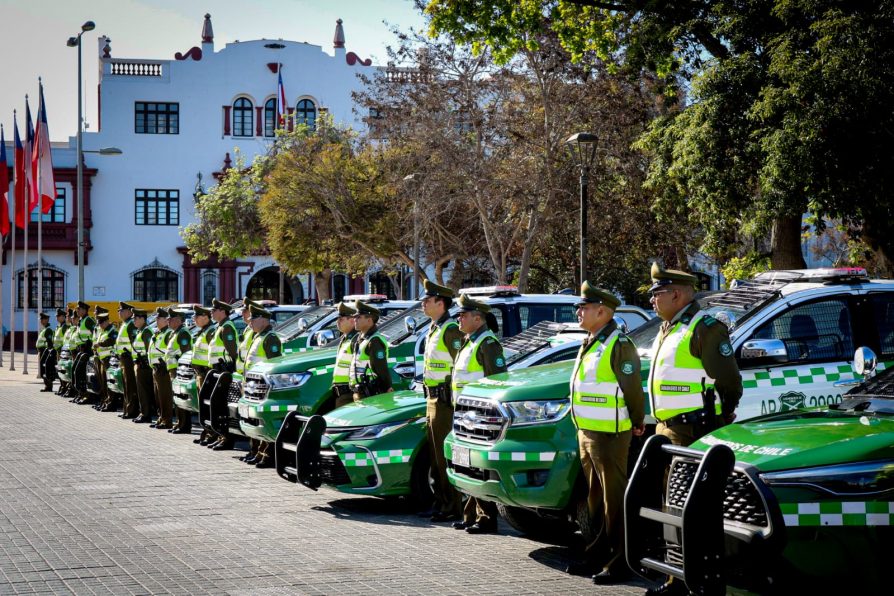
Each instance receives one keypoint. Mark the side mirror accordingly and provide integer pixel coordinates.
(865, 361)
(302, 325)
(621, 323)
(771, 349)
(324, 337)
(410, 325)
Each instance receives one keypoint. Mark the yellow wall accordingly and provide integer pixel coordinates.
(112, 307)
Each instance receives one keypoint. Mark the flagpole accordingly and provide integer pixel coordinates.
(12, 273)
(39, 213)
(27, 297)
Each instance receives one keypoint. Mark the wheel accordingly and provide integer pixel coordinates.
(590, 526)
(421, 480)
(532, 524)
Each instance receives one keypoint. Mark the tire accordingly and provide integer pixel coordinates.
(532, 524)
(590, 526)
(421, 481)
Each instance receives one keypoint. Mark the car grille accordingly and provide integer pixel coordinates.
(478, 420)
(65, 355)
(185, 373)
(741, 502)
(332, 470)
(235, 392)
(256, 388)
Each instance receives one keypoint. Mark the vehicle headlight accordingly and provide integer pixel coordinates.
(288, 380)
(379, 430)
(537, 412)
(863, 478)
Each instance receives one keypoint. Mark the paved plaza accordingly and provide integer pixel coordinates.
(92, 504)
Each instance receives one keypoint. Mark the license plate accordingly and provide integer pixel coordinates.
(243, 411)
(461, 456)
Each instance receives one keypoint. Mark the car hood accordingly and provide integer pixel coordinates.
(379, 409)
(291, 363)
(806, 439)
(547, 381)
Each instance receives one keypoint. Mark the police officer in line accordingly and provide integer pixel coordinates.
(481, 355)
(160, 379)
(91, 356)
(127, 331)
(265, 345)
(179, 342)
(104, 347)
(442, 344)
(607, 406)
(241, 355)
(341, 375)
(369, 373)
(86, 325)
(222, 354)
(200, 364)
(692, 366)
(66, 346)
(73, 336)
(142, 370)
(52, 353)
(44, 345)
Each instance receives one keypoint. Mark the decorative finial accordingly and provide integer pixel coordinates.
(207, 31)
(107, 49)
(339, 40)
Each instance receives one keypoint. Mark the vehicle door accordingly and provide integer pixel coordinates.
(818, 340)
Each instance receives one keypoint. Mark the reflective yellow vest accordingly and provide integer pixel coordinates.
(341, 375)
(438, 363)
(467, 368)
(597, 402)
(360, 370)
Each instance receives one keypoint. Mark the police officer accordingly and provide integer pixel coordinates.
(161, 382)
(127, 331)
(341, 375)
(52, 351)
(481, 355)
(86, 325)
(241, 355)
(67, 346)
(44, 344)
(265, 345)
(607, 406)
(74, 340)
(369, 373)
(441, 347)
(222, 354)
(692, 365)
(201, 343)
(142, 370)
(104, 347)
(179, 342)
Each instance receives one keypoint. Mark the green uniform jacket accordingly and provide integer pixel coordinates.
(710, 343)
(378, 359)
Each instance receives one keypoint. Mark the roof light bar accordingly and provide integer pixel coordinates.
(490, 290)
(365, 297)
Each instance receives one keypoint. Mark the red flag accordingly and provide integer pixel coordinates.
(4, 186)
(18, 173)
(31, 171)
(42, 154)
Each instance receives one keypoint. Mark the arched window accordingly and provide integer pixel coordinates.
(155, 283)
(209, 285)
(306, 113)
(243, 118)
(53, 287)
(270, 117)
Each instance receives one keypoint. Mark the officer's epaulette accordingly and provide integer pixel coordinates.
(489, 340)
(623, 339)
(708, 320)
(686, 318)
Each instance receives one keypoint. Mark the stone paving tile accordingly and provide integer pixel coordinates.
(92, 504)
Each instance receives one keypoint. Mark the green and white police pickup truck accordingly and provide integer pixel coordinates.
(801, 500)
(793, 334)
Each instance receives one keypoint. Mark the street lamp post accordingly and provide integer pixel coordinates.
(416, 268)
(582, 146)
(76, 42)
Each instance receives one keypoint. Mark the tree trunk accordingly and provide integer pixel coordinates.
(785, 243)
(322, 281)
(882, 247)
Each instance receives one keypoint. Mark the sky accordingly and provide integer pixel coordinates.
(33, 35)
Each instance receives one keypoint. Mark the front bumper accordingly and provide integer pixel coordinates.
(186, 394)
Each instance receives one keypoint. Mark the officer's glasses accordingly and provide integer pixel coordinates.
(657, 293)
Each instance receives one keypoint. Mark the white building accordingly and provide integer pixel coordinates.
(177, 123)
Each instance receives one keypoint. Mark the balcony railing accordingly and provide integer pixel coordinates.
(136, 68)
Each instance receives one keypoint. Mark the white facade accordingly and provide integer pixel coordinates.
(204, 85)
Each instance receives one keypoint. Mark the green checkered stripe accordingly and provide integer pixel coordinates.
(837, 513)
(253, 410)
(801, 376)
(323, 370)
(521, 455)
(294, 351)
(364, 458)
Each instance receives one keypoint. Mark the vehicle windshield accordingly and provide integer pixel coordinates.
(289, 329)
(395, 329)
(539, 337)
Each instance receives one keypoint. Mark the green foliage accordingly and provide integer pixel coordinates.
(745, 267)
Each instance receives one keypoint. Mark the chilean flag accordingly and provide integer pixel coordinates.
(18, 173)
(280, 100)
(31, 166)
(4, 187)
(45, 186)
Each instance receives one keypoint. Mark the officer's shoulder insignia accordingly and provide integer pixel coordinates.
(489, 341)
(274, 348)
(456, 344)
(726, 349)
(229, 337)
(627, 367)
(380, 354)
(500, 361)
(184, 341)
(708, 320)
(623, 339)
